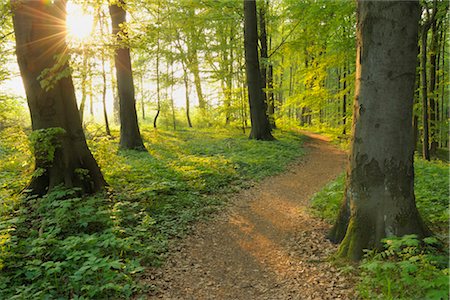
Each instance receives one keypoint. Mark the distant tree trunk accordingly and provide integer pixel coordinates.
(83, 85)
(105, 113)
(425, 108)
(433, 68)
(188, 104)
(344, 101)
(258, 109)
(197, 81)
(158, 87)
(271, 98)
(116, 109)
(379, 193)
(40, 45)
(141, 77)
(130, 137)
(172, 104)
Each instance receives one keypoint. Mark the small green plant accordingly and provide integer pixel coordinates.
(45, 143)
(64, 246)
(407, 269)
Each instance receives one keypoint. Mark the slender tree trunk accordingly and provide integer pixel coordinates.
(158, 87)
(172, 104)
(423, 48)
(197, 81)
(344, 101)
(116, 109)
(379, 193)
(105, 113)
(188, 104)
(258, 110)
(130, 137)
(61, 155)
(142, 96)
(83, 85)
(433, 68)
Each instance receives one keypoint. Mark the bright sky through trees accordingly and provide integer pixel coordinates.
(79, 25)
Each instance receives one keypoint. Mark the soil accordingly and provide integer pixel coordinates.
(265, 244)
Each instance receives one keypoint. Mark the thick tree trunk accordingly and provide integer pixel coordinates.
(258, 110)
(380, 176)
(61, 155)
(130, 137)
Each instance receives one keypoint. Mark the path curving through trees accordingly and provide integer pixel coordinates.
(265, 245)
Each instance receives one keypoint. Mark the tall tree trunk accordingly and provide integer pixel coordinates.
(380, 177)
(433, 65)
(188, 104)
(141, 77)
(83, 85)
(130, 137)
(101, 18)
(172, 104)
(425, 108)
(116, 108)
(60, 154)
(258, 110)
(197, 81)
(344, 101)
(105, 113)
(158, 87)
(271, 98)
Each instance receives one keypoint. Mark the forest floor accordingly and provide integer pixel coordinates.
(264, 245)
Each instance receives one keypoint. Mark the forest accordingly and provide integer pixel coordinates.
(224, 149)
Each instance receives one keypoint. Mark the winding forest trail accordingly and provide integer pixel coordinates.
(265, 245)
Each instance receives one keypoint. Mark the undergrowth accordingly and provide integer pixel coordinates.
(67, 246)
(407, 268)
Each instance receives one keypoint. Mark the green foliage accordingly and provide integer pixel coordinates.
(327, 202)
(406, 269)
(66, 246)
(432, 193)
(45, 142)
(12, 111)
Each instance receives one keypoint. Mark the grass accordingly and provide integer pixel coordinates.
(406, 269)
(67, 246)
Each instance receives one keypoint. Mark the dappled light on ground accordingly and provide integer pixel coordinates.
(265, 245)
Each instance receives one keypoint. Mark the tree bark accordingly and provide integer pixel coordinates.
(379, 193)
(105, 113)
(258, 109)
(83, 85)
(40, 45)
(130, 137)
(188, 102)
(344, 101)
(433, 66)
(425, 107)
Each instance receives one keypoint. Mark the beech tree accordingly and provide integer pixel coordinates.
(261, 129)
(379, 193)
(130, 137)
(62, 156)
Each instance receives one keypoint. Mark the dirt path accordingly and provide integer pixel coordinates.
(265, 245)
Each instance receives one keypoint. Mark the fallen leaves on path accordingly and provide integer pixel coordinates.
(265, 245)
